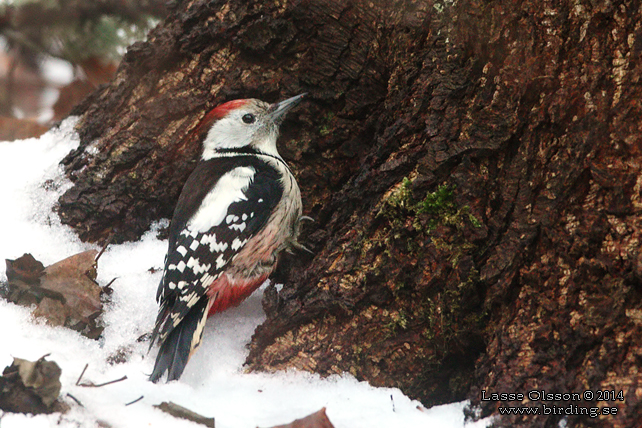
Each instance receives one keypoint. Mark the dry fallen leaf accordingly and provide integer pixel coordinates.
(31, 387)
(64, 293)
(25, 268)
(315, 420)
(43, 376)
(74, 278)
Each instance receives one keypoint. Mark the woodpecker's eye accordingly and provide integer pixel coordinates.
(248, 118)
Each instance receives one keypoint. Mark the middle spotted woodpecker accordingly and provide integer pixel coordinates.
(238, 210)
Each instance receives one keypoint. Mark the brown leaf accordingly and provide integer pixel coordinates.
(65, 293)
(53, 310)
(30, 386)
(73, 278)
(315, 420)
(25, 268)
(43, 376)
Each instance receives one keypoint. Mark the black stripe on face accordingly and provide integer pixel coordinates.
(245, 150)
(248, 150)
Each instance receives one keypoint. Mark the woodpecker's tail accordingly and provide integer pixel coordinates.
(180, 343)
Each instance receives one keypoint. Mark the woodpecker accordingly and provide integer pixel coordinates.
(237, 211)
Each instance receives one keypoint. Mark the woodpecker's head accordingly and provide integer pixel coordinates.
(244, 125)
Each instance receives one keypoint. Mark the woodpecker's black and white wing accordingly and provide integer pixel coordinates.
(225, 202)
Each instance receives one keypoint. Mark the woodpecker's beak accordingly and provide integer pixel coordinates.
(277, 111)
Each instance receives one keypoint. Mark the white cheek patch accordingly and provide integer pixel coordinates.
(230, 188)
(231, 132)
(227, 133)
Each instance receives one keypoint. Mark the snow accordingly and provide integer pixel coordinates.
(57, 73)
(214, 383)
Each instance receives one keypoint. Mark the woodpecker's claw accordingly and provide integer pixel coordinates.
(300, 246)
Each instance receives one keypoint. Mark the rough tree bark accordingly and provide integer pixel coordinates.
(473, 168)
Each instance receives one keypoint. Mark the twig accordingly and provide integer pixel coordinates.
(111, 238)
(81, 374)
(98, 385)
(393, 403)
(95, 385)
(107, 288)
(135, 401)
(75, 399)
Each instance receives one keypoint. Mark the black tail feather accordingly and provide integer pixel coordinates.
(175, 349)
(163, 314)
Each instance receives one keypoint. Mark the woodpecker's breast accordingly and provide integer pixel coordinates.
(259, 255)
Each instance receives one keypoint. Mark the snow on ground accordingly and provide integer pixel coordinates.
(214, 383)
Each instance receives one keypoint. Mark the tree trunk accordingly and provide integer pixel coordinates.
(473, 169)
